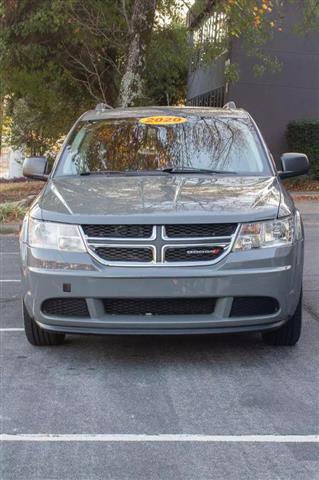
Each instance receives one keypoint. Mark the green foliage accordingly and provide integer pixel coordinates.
(167, 65)
(42, 108)
(310, 20)
(83, 40)
(60, 57)
(40, 97)
(11, 212)
(232, 72)
(253, 22)
(303, 136)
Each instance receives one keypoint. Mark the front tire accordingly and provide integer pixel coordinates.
(36, 335)
(289, 333)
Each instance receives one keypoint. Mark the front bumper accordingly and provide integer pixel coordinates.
(275, 273)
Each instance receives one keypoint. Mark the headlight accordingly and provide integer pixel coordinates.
(57, 236)
(273, 233)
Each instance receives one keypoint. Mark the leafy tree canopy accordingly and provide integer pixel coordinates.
(60, 57)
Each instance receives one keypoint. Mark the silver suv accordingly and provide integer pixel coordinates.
(163, 221)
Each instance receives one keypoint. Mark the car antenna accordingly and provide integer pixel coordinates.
(230, 105)
(101, 107)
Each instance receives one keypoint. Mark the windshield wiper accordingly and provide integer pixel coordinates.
(197, 170)
(167, 170)
(125, 172)
(102, 172)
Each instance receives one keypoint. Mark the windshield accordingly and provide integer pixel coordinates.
(180, 145)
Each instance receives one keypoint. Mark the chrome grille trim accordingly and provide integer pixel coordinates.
(122, 245)
(158, 246)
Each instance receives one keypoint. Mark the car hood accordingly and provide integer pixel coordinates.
(159, 199)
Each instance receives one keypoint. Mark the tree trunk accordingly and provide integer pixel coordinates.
(131, 88)
(1, 120)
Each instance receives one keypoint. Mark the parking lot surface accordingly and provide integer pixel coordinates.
(208, 385)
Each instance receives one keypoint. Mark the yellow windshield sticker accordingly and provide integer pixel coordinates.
(162, 120)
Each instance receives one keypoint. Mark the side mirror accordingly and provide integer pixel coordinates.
(293, 165)
(35, 167)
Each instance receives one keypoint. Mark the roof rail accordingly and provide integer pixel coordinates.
(230, 105)
(101, 107)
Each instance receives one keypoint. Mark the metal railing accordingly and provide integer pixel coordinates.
(214, 98)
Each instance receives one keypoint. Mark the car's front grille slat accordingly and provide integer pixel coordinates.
(200, 230)
(125, 254)
(159, 306)
(192, 254)
(118, 231)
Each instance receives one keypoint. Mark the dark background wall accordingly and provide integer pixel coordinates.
(278, 98)
(206, 79)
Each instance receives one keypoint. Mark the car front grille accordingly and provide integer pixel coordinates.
(253, 306)
(159, 306)
(199, 230)
(65, 307)
(176, 244)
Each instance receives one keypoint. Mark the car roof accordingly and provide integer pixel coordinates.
(139, 112)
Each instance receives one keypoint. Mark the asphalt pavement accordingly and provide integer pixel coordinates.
(249, 397)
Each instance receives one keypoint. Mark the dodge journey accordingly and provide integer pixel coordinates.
(163, 220)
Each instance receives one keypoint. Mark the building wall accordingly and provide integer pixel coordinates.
(206, 79)
(292, 94)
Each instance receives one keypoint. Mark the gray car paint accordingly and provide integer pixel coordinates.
(274, 272)
(161, 199)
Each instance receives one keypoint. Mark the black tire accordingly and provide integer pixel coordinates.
(36, 335)
(289, 333)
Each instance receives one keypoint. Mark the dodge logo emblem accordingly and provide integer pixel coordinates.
(205, 251)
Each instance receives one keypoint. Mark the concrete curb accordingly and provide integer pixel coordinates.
(305, 194)
(9, 228)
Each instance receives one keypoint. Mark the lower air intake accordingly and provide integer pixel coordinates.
(65, 307)
(253, 306)
(159, 306)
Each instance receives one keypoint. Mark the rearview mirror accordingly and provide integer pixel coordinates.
(35, 167)
(293, 165)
